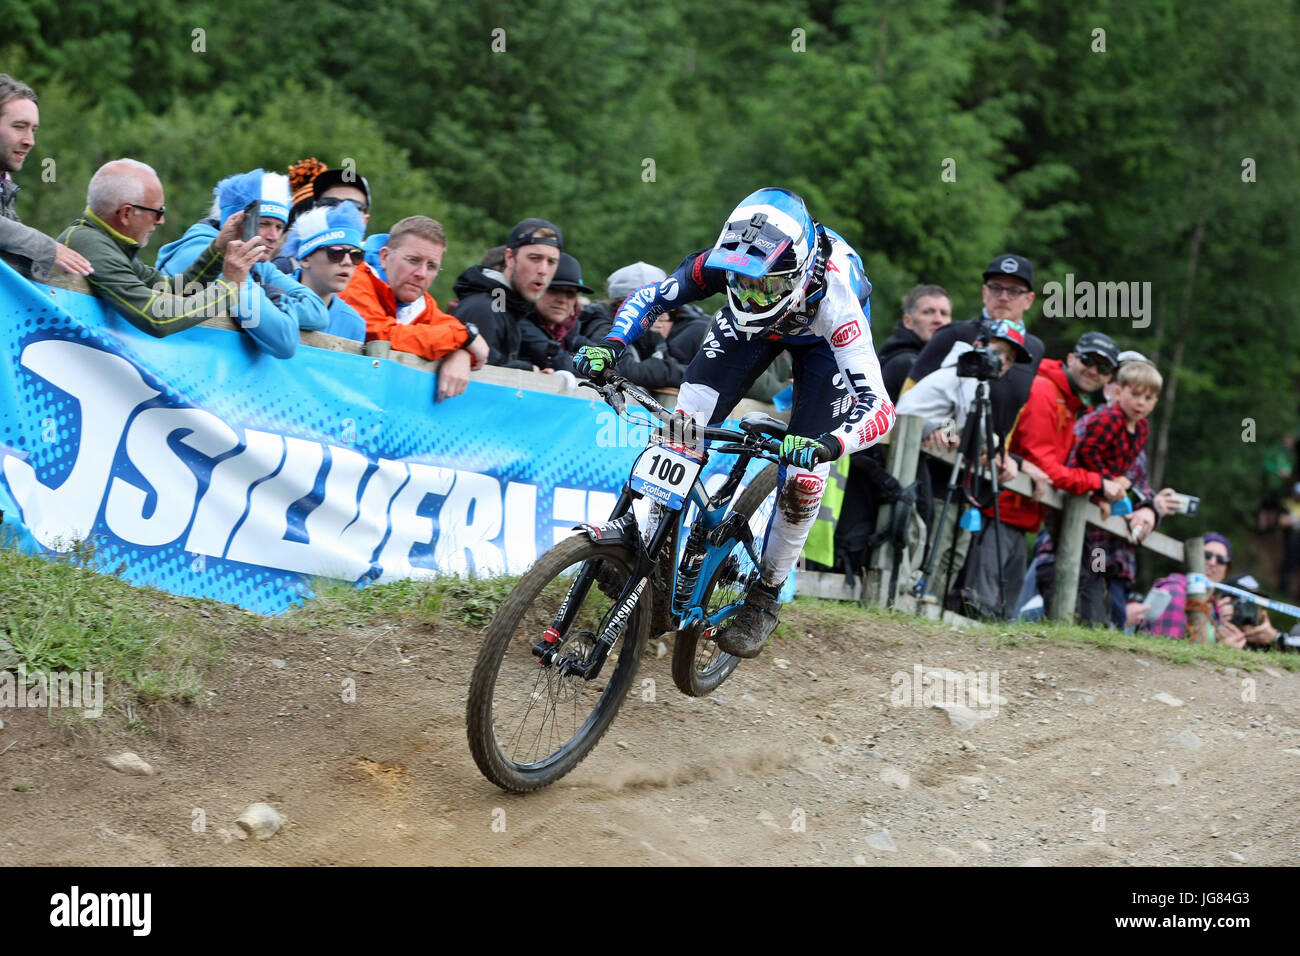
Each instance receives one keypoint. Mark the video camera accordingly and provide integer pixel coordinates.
(980, 363)
(1245, 613)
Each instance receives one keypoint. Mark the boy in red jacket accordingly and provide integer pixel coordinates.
(1041, 442)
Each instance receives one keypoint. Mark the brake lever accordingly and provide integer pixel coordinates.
(615, 398)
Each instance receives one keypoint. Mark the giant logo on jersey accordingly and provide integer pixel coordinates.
(850, 331)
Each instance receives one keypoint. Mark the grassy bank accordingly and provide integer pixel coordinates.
(155, 648)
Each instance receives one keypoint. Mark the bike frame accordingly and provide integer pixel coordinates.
(719, 530)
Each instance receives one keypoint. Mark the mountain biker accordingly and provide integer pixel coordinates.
(791, 284)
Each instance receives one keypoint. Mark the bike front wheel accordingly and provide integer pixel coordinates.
(699, 665)
(530, 723)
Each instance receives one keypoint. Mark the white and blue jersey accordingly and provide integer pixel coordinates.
(838, 388)
(835, 315)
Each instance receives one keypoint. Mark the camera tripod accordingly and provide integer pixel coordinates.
(977, 434)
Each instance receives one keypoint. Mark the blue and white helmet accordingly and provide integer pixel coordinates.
(768, 249)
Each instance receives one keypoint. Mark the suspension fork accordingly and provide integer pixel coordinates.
(633, 589)
(577, 594)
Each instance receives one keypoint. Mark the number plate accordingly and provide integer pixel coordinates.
(664, 476)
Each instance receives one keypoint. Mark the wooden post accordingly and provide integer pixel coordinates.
(904, 452)
(1069, 553)
(1194, 558)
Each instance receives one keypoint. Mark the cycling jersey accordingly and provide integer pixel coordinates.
(836, 311)
(839, 391)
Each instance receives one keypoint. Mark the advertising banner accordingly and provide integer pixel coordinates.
(202, 466)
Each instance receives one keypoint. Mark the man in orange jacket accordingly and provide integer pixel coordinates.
(1043, 436)
(395, 302)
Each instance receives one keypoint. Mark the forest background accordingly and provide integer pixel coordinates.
(1109, 141)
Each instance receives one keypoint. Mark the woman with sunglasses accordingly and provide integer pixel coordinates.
(1172, 622)
(273, 306)
(328, 244)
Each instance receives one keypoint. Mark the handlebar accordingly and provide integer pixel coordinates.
(616, 387)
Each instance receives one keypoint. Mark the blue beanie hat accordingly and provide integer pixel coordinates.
(1215, 536)
(339, 225)
(236, 192)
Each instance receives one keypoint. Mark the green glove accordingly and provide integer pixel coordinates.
(596, 361)
(807, 453)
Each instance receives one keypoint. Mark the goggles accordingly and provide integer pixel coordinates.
(757, 294)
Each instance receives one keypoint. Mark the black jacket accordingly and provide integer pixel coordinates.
(647, 361)
(1008, 393)
(538, 347)
(477, 289)
(896, 357)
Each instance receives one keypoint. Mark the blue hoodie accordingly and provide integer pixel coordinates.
(273, 307)
(345, 321)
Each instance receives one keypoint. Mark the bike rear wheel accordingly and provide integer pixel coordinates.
(529, 724)
(699, 665)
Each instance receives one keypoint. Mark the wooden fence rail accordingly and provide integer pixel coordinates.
(1078, 512)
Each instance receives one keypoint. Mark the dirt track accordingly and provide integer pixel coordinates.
(388, 779)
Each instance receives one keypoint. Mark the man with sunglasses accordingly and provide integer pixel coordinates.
(1042, 439)
(124, 205)
(1008, 292)
(334, 186)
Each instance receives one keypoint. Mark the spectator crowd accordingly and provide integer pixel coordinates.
(286, 253)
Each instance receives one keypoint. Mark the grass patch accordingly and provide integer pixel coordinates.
(468, 601)
(824, 612)
(151, 647)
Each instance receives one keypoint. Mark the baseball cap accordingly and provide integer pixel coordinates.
(1011, 331)
(523, 234)
(329, 178)
(623, 282)
(1132, 355)
(1100, 344)
(1010, 264)
(568, 274)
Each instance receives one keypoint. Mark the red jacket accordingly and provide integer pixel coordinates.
(1044, 435)
(432, 334)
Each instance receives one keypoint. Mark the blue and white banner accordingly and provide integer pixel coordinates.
(199, 465)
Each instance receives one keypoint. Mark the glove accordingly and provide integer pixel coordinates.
(596, 361)
(807, 453)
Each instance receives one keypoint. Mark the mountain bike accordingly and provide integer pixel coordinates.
(562, 651)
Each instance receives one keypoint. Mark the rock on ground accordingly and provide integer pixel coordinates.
(880, 840)
(260, 820)
(129, 763)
